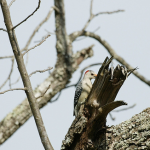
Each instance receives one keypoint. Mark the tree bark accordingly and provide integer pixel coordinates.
(25, 78)
(58, 80)
(88, 130)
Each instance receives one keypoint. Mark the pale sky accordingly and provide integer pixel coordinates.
(127, 32)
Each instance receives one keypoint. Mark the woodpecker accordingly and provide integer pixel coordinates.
(83, 89)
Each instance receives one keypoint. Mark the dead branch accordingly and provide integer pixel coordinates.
(92, 16)
(3, 29)
(43, 93)
(36, 45)
(41, 71)
(111, 51)
(23, 112)
(112, 118)
(132, 106)
(3, 57)
(90, 125)
(11, 3)
(54, 100)
(8, 78)
(13, 90)
(24, 75)
(39, 26)
(63, 44)
(28, 16)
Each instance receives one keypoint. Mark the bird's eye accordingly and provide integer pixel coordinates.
(92, 74)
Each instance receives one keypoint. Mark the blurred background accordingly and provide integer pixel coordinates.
(127, 32)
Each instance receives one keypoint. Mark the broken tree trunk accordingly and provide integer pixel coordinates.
(88, 130)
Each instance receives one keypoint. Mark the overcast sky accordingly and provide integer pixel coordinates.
(127, 32)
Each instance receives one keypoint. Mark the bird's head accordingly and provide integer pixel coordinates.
(90, 74)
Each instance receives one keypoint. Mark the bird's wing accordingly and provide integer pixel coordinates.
(77, 93)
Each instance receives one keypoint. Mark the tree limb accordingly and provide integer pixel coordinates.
(36, 45)
(22, 112)
(13, 90)
(41, 71)
(25, 78)
(111, 51)
(3, 29)
(11, 3)
(28, 16)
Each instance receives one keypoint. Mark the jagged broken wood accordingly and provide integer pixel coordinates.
(88, 130)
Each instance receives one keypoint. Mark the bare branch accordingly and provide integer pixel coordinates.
(25, 78)
(8, 78)
(132, 106)
(95, 15)
(38, 27)
(36, 45)
(112, 118)
(23, 111)
(3, 57)
(41, 71)
(28, 16)
(3, 29)
(44, 92)
(51, 101)
(91, 7)
(109, 12)
(13, 90)
(11, 3)
(111, 51)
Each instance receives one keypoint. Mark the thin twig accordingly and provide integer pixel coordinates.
(44, 92)
(125, 108)
(13, 90)
(28, 16)
(112, 118)
(8, 78)
(11, 3)
(41, 71)
(91, 7)
(108, 12)
(3, 29)
(85, 36)
(36, 45)
(51, 101)
(38, 27)
(3, 57)
(92, 16)
(25, 79)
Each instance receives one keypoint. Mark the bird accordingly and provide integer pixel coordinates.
(82, 90)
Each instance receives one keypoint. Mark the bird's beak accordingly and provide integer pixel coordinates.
(95, 75)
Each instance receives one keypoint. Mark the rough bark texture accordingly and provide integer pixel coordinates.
(58, 81)
(131, 134)
(88, 130)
